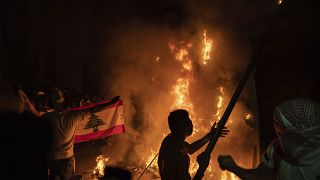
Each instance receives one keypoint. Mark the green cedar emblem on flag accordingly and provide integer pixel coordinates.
(94, 122)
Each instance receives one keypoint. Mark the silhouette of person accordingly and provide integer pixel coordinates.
(24, 140)
(173, 160)
(295, 154)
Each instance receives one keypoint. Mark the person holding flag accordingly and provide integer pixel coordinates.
(63, 126)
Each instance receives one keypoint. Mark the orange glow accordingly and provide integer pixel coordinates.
(181, 90)
(181, 93)
(219, 104)
(152, 159)
(248, 116)
(207, 47)
(226, 175)
(101, 164)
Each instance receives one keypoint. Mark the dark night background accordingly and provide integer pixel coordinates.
(45, 43)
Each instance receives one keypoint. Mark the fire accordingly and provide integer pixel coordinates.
(181, 90)
(279, 2)
(181, 94)
(101, 164)
(225, 175)
(151, 161)
(207, 46)
(247, 116)
(219, 104)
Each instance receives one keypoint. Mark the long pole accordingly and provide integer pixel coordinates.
(239, 88)
(148, 166)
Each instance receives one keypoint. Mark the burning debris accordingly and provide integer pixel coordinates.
(98, 171)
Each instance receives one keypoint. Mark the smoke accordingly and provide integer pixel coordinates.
(142, 70)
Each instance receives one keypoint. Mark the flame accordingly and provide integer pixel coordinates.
(247, 116)
(181, 90)
(101, 164)
(207, 47)
(151, 161)
(219, 104)
(226, 175)
(280, 2)
(180, 93)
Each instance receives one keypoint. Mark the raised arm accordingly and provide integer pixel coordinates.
(78, 113)
(29, 106)
(100, 107)
(193, 147)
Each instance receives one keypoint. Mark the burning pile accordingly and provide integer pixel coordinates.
(188, 58)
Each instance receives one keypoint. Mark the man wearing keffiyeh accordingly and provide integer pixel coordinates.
(295, 154)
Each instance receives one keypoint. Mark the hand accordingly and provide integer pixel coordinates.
(203, 159)
(23, 96)
(226, 162)
(225, 130)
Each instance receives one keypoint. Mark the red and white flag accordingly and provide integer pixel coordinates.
(109, 121)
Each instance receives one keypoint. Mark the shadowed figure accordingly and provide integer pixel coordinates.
(173, 160)
(24, 140)
(63, 125)
(295, 154)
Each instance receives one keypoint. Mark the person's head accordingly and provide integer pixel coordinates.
(56, 98)
(41, 101)
(297, 114)
(179, 123)
(297, 124)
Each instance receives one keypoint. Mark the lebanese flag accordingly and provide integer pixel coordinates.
(109, 121)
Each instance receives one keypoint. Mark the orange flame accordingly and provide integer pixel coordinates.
(225, 175)
(219, 104)
(247, 116)
(101, 164)
(207, 47)
(180, 92)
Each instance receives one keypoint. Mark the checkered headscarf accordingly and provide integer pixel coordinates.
(300, 113)
(297, 124)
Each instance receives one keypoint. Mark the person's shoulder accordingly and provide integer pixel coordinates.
(167, 140)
